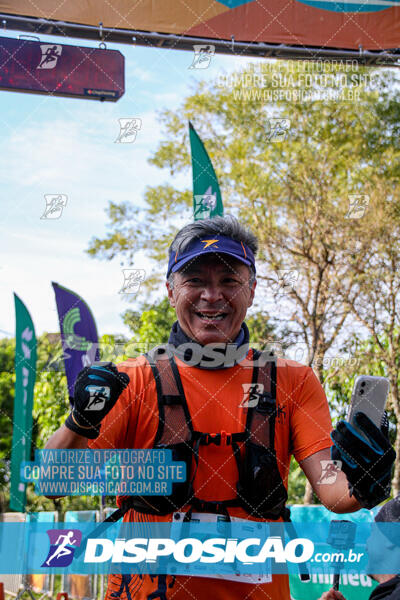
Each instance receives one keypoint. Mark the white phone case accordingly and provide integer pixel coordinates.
(369, 396)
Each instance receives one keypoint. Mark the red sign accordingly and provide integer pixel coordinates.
(61, 70)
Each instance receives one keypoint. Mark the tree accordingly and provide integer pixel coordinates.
(296, 483)
(7, 380)
(296, 194)
(50, 409)
(51, 403)
(375, 298)
(152, 324)
(376, 304)
(369, 360)
(375, 301)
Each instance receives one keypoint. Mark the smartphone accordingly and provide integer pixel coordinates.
(341, 534)
(369, 396)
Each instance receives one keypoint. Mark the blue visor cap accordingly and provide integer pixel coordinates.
(219, 244)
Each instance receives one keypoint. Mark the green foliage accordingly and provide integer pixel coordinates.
(7, 380)
(260, 327)
(294, 194)
(296, 484)
(306, 173)
(153, 323)
(365, 360)
(51, 403)
(50, 409)
(113, 348)
(50, 406)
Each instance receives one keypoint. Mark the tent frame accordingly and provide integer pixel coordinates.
(231, 47)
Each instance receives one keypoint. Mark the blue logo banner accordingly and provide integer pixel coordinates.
(200, 548)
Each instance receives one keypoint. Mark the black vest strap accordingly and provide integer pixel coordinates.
(262, 410)
(170, 394)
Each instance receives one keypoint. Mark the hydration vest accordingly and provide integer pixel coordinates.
(260, 489)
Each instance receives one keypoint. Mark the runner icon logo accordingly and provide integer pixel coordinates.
(329, 471)
(50, 55)
(98, 396)
(251, 394)
(63, 543)
(203, 54)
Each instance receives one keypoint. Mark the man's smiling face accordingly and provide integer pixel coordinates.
(211, 295)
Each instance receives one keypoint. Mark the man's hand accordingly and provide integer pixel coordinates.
(367, 463)
(332, 595)
(97, 389)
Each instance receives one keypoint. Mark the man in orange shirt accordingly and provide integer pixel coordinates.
(233, 418)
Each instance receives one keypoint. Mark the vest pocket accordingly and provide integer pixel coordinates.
(182, 491)
(260, 488)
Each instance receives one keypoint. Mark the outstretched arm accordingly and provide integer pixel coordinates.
(65, 438)
(335, 496)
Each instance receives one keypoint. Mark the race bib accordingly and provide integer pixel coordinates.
(263, 576)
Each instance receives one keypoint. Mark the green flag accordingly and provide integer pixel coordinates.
(25, 376)
(207, 200)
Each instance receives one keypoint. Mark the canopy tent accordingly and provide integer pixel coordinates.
(363, 30)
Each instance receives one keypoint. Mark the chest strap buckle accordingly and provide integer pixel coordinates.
(219, 439)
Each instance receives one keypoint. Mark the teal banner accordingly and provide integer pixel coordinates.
(354, 585)
(25, 376)
(207, 200)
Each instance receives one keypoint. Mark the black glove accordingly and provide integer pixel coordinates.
(367, 464)
(97, 389)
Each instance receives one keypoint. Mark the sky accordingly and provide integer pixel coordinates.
(67, 146)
